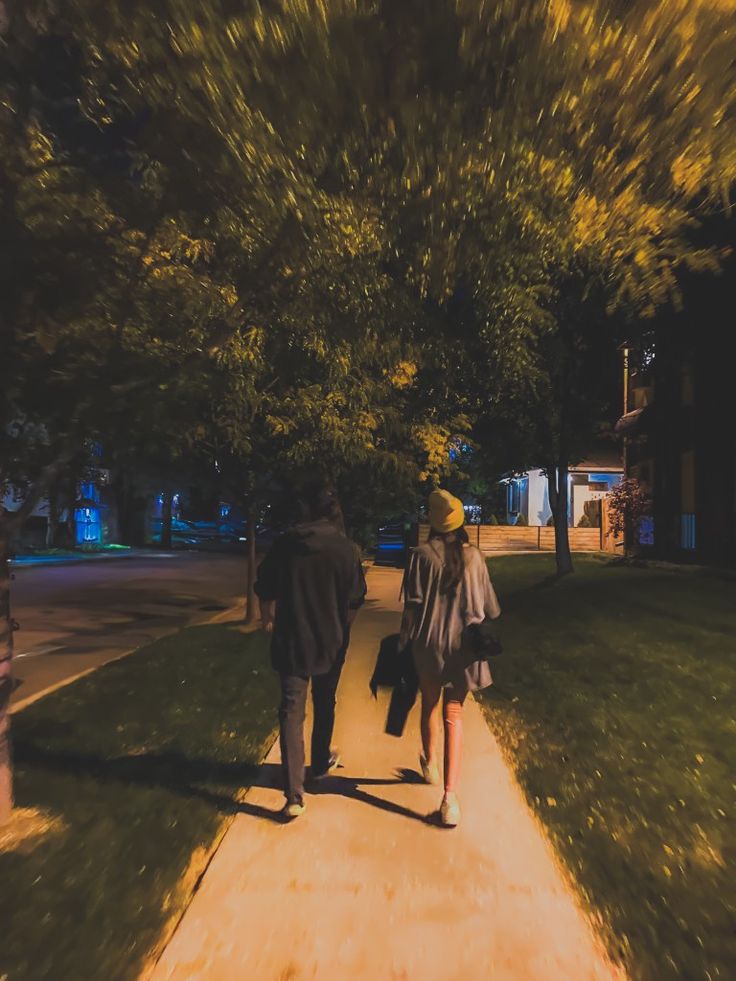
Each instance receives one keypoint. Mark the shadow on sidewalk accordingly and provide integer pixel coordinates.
(269, 777)
(216, 783)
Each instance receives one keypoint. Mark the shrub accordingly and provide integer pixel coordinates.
(492, 519)
(521, 521)
(628, 505)
(591, 517)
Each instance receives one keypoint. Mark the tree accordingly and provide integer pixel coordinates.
(263, 215)
(104, 290)
(549, 186)
(572, 406)
(492, 140)
(46, 210)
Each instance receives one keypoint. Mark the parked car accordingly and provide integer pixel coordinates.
(394, 541)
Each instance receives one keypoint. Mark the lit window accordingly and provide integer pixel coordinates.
(646, 531)
(687, 531)
(514, 496)
(88, 525)
(88, 492)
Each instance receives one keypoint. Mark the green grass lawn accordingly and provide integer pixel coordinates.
(616, 703)
(134, 770)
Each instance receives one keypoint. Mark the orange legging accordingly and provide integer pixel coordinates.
(431, 693)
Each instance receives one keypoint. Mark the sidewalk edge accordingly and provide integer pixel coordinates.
(202, 867)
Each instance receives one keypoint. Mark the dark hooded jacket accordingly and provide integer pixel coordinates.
(315, 575)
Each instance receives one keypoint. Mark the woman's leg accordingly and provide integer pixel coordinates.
(431, 692)
(453, 716)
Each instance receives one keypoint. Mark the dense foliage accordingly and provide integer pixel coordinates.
(256, 218)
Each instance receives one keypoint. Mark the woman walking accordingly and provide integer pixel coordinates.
(446, 588)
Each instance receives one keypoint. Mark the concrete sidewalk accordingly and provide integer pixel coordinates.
(364, 886)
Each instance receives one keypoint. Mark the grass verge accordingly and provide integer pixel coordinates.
(615, 705)
(123, 782)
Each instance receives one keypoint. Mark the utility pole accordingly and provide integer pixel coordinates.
(626, 352)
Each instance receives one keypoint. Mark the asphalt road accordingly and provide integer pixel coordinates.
(76, 617)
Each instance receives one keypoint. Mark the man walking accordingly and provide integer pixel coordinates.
(310, 587)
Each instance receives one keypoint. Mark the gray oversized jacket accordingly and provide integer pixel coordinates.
(434, 621)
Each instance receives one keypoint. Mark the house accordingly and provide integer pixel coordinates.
(34, 533)
(678, 430)
(527, 495)
(81, 523)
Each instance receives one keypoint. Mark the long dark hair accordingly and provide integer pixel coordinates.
(452, 573)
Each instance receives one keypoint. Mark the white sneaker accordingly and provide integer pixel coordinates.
(334, 763)
(450, 811)
(293, 809)
(430, 771)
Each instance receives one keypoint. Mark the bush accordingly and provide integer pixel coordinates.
(628, 504)
(521, 521)
(551, 521)
(591, 517)
(492, 519)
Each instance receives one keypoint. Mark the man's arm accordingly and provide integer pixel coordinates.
(267, 586)
(268, 614)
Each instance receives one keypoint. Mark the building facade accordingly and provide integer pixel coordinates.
(74, 515)
(680, 430)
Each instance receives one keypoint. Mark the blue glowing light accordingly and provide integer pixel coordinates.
(88, 526)
(89, 492)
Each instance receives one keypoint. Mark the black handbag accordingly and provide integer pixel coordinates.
(387, 672)
(403, 696)
(395, 669)
(479, 642)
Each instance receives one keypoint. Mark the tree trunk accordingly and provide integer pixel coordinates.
(11, 522)
(68, 529)
(131, 510)
(250, 580)
(122, 505)
(557, 477)
(6, 681)
(52, 526)
(131, 516)
(166, 518)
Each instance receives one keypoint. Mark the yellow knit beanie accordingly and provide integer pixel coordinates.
(446, 513)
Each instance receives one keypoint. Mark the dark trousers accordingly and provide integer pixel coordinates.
(292, 712)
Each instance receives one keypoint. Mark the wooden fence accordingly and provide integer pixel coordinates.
(514, 538)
